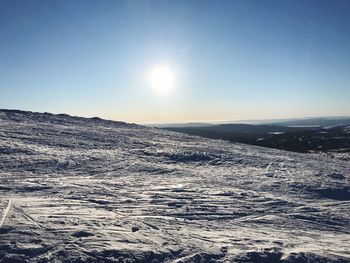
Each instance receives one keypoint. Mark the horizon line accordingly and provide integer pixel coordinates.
(184, 122)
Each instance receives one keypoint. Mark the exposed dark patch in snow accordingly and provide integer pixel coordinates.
(82, 233)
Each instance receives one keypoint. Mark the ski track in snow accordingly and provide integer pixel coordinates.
(5, 213)
(88, 190)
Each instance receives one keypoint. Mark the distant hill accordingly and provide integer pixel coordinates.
(310, 121)
(323, 121)
(312, 137)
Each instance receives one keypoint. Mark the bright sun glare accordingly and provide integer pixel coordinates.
(162, 79)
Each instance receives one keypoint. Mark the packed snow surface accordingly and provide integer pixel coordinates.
(88, 190)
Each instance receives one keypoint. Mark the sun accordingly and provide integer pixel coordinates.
(162, 79)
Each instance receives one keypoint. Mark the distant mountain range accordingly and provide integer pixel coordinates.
(309, 121)
(299, 135)
(322, 122)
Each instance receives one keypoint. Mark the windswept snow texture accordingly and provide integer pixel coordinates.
(88, 190)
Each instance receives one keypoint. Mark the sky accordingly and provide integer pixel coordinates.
(229, 60)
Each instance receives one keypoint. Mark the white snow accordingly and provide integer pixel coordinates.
(88, 190)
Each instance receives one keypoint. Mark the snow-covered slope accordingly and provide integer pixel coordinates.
(89, 190)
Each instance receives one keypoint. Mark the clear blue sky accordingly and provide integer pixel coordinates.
(232, 59)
